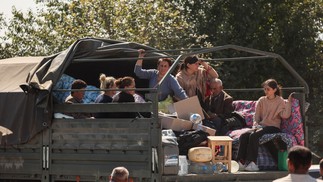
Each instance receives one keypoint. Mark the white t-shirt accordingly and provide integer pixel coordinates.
(297, 178)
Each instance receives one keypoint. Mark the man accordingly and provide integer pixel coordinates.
(77, 97)
(299, 161)
(218, 106)
(119, 174)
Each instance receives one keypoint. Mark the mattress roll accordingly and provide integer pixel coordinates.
(200, 154)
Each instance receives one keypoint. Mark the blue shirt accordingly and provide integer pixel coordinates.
(170, 86)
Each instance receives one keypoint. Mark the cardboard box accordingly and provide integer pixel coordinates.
(186, 107)
(208, 130)
(175, 124)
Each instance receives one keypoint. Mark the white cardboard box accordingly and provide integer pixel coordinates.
(186, 107)
(208, 130)
(175, 124)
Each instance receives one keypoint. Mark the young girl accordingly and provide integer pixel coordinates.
(270, 110)
(106, 96)
(125, 95)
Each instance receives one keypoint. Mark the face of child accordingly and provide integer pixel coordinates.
(133, 85)
(113, 87)
(79, 95)
(269, 92)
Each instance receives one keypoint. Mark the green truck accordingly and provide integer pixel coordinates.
(43, 147)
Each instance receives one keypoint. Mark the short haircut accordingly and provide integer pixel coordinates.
(216, 80)
(321, 164)
(119, 174)
(78, 84)
(300, 156)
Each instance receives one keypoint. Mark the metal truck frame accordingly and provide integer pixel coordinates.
(60, 149)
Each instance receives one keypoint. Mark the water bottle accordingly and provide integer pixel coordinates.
(195, 118)
(201, 168)
(218, 167)
(183, 165)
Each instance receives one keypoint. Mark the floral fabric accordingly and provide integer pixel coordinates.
(292, 127)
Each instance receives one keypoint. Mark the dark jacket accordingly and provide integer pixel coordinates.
(221, 105)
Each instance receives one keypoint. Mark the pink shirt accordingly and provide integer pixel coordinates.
(269, 112)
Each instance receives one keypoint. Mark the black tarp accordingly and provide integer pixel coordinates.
(28, 112)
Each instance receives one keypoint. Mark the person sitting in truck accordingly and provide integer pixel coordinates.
(270, 110)
(169, 87)
(76, 97)
(218, 106)
(125, 95)
(106, 95)
(119, 174)
(299, 161)
(194, 79)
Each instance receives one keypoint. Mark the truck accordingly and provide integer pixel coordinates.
(46, 147)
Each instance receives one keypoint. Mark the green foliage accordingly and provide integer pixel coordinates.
(60, 23)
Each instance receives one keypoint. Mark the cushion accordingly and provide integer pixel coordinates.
(246, 109)
(292, 126)
(65, 82)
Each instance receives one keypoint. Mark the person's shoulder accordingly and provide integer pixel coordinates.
(284, 179)
(226, 95)
(70, 99)
(99, 98)
(262, 98)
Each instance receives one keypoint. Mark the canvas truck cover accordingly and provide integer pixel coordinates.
(16, 108)
(26, 83)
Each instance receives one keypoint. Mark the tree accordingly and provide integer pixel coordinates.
(57, 26)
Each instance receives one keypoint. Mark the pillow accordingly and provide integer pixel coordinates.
(294, 124)
(246, 109)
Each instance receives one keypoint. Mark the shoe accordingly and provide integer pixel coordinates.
(241, 166)
(252, 167)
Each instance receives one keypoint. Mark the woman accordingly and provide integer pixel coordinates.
(194, 79)
(270, 110)
(106, 96)
(169, 87)
(125, 95)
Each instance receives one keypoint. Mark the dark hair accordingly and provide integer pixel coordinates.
(300, 156)
(124, 82)
(168, 60)
(272, 83)
(321, 164)
(78, 84)
(189, 60)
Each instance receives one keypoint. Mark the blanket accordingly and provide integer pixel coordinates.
(292, 131)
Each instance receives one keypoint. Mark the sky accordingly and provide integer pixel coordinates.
(23, 5)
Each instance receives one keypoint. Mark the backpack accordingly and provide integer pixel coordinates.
(190, 139)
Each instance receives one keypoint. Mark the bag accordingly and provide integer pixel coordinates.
(235, 122)
(190, 139)
(282, 160)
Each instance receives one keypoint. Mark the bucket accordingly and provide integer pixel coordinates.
(282, 160)
(234, 166)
